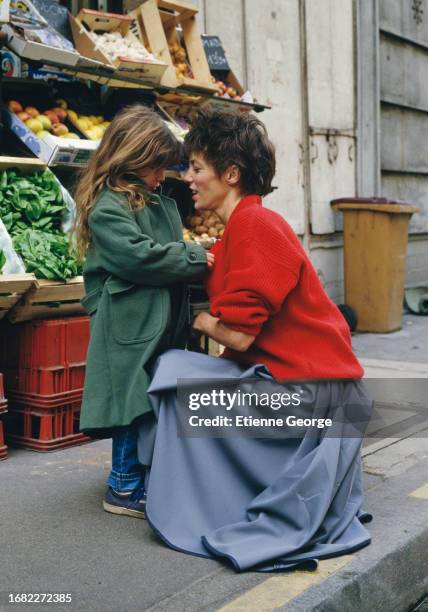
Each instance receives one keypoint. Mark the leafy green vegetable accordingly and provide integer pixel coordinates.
(31, 208)
(2, 260)
(33, 200)
(47, 255)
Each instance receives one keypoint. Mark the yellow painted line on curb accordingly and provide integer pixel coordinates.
(279, 590)
(421, 493)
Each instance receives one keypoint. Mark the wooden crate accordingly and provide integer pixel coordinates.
(25, 164)
(150, 71)
(47, 299)
(157, 22)
(12, 288)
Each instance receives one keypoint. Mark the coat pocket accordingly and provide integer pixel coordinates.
(137, 313)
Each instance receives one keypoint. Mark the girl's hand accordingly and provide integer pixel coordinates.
(210, 260)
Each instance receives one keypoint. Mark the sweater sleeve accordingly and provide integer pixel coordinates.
(124, 251)
(256, 285)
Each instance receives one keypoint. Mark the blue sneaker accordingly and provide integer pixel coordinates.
(130, 505)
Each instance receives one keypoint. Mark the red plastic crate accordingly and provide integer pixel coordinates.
(46, 381)
(45, 424)
(49, 343)
(3, 447)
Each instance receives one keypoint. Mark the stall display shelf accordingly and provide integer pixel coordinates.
(48, 299)
(12, 289)
(111, 79)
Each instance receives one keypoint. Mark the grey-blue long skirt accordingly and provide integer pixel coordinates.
(262, 504)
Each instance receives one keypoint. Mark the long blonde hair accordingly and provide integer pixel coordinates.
(136, 139)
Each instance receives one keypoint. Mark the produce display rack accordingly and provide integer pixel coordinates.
(23, 297)
(48, 299)
(105, 77)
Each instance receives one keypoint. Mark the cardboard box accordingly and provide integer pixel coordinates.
(157, 23)
(148, 70)
(52, 150)
(38, 51)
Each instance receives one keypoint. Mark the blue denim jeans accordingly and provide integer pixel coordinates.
(127, 473)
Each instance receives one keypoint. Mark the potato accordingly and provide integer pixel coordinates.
(204, 235)
(180, 55)
(212, 232)
(201, 229)
(219, 226)
(221, 232)
(210, 222)
(195, 221)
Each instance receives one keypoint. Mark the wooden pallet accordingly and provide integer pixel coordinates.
(47, 299)
(12, 288)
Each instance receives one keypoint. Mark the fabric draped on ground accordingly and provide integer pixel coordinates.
(262, 504)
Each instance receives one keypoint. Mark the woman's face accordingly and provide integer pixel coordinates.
(209, 190)
(152, 177)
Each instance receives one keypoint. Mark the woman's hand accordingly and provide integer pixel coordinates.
(201, 322)
(210, 260)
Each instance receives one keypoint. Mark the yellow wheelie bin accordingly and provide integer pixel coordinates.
(375, 235)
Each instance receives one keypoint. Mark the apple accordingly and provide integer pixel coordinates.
(34, 125)
(59, 129)
(45, 121)
(42, 134)
(52, 116)
(71, 135)
(32, 111)
(60, 113)
(14, 106)
(72, 115)
(83, 124)
(61, 103)
(23, 116)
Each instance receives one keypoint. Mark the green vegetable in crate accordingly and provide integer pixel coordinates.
(2, 260)
(47, 255)
(33, 200)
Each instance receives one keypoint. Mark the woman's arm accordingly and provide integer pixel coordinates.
(215, 329)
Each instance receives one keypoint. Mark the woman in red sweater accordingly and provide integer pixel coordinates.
(261, 501)
(267, 303)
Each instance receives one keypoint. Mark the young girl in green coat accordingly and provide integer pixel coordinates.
(135, 273)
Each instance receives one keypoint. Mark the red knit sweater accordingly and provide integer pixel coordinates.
(264, 284)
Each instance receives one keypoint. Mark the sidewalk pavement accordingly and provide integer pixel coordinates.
(56, 538)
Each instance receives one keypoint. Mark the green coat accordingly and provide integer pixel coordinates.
(135, 274)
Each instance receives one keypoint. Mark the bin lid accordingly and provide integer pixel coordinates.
(375, 204)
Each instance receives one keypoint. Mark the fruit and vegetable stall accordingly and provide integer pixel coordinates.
(63, 78)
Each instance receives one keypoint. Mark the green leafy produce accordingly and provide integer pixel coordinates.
(30, 201)
(47, 255)
(31, 208)
(2, 260)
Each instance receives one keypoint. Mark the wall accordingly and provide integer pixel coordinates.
(299, 57)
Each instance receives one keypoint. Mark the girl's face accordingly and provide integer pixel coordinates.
(209, 190)
(152, 177)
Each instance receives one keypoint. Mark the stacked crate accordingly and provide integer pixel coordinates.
(44, 368)
(3, 410)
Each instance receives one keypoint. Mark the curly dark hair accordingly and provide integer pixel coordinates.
(227, 138)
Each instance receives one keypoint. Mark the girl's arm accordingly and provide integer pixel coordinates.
(124, 251)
